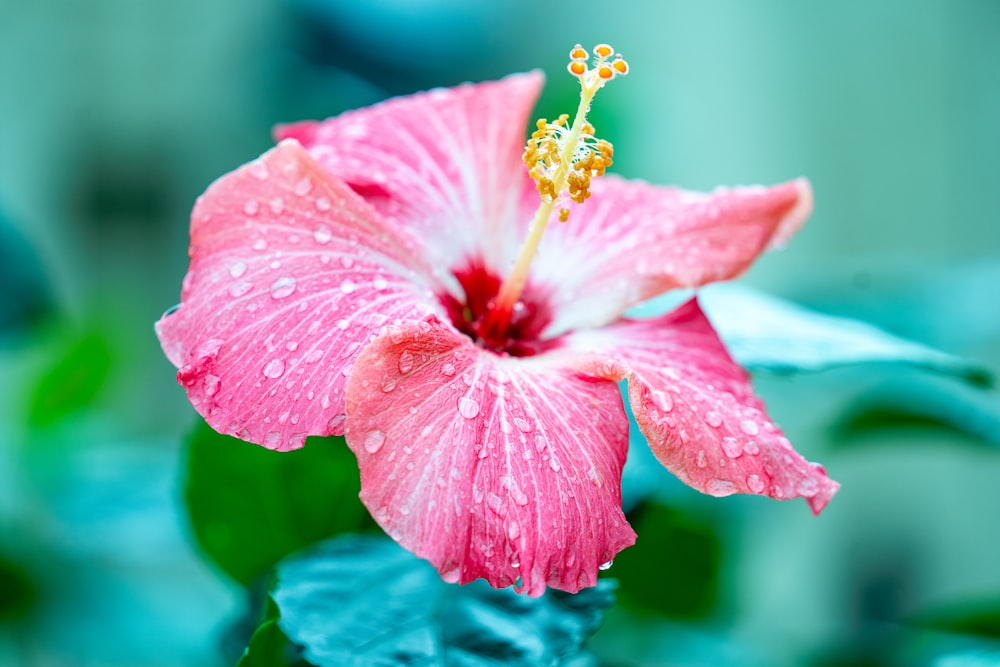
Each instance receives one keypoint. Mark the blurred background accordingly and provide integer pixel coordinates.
(116, 114)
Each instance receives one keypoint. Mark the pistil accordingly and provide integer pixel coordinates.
(561, 163)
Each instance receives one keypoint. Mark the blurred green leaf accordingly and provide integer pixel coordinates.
(675, 570)
(980, 618)
(17, 591)
(73, 381)
(764, 333)
(268, 647)
(921, 401)
(250, 506)
(363, 600)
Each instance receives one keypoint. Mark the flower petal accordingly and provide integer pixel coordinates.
(631, 241)
(291, 274)
(698, 410)
(445, 163)
(489, 466)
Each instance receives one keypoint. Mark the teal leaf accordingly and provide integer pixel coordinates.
(765, 333)
(250, 506)
(27, 294)
(363, 600)
(922, 401)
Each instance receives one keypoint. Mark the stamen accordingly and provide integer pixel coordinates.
(561, 162)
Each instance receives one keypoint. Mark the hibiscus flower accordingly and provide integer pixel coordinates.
(356, 280)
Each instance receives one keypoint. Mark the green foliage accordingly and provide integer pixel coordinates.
(362, 600)
(73, 380)
(250, 506)
(268, 647)
(673, 569)
(980, 618)
(17, 591)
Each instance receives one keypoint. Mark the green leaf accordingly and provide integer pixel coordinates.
(268, 647)
(764, 333)
(676, 572)
(362, 600)
(922, 401)
(17, 590)
(250, 506)
(980, 618)
(73, 380)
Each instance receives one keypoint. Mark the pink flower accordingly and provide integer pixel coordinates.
(338, 282)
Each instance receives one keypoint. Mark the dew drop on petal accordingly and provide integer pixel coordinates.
(259, 244)
(468, 407)
(522, 425)
(282, 287)
(346, 261)
(347, 286)
(211, 384)
(374, 441)
(303, 187)
(238, 269)
(274, 368)
(406, 362)
(700, 459)
(606, 565)
(807, 487)
(277, 205)
(749, 427)
(251, 206)
(272, 440)
(732, 447)
(336, 424)
(720, 487)
(323, 204)
(380, 283)
(322, 234)
(755, 483)
(240, 288)
(713, 419)
(259, 170)
(448, 370)
(751, 448)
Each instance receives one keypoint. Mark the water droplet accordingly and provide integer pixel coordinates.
(275, 264)
(523, 425)
(406, 363)
(291, 345)
(749, 427)
(346, 261)
(282, 287)
(259, 244)
(380, 283)
(513, 530)
(259, 170)
(272, 440)
(238, 269)
(448, 370)
(751, 447)
(274, 368)
(348, 286)
(700, 459)
(807, 487)
(277, 205)
(554, 464)
(322, 234)
(374, 441)
(720, 487)
(468, 407)
(665, 402)
(713, 419)
(303, 187)
(336, 424)
(732, 447)
(388, 385)
(323, 204)
(251, 207)
(755, 483)
(343, 324)
(211, 384)
(240, 288)
(606, 565)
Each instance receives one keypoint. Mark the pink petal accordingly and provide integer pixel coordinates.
(291, 274)
(445, 163)
(488, 466)
(631, 241)
(698, 410)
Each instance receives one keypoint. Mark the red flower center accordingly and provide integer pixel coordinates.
(520, 337)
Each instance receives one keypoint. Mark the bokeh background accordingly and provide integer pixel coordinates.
(116, 114)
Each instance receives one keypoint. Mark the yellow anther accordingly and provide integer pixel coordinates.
(578, 53)
(563, 214)
(605, 72)
(603, 51)
(620, 65)
(577, 68)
